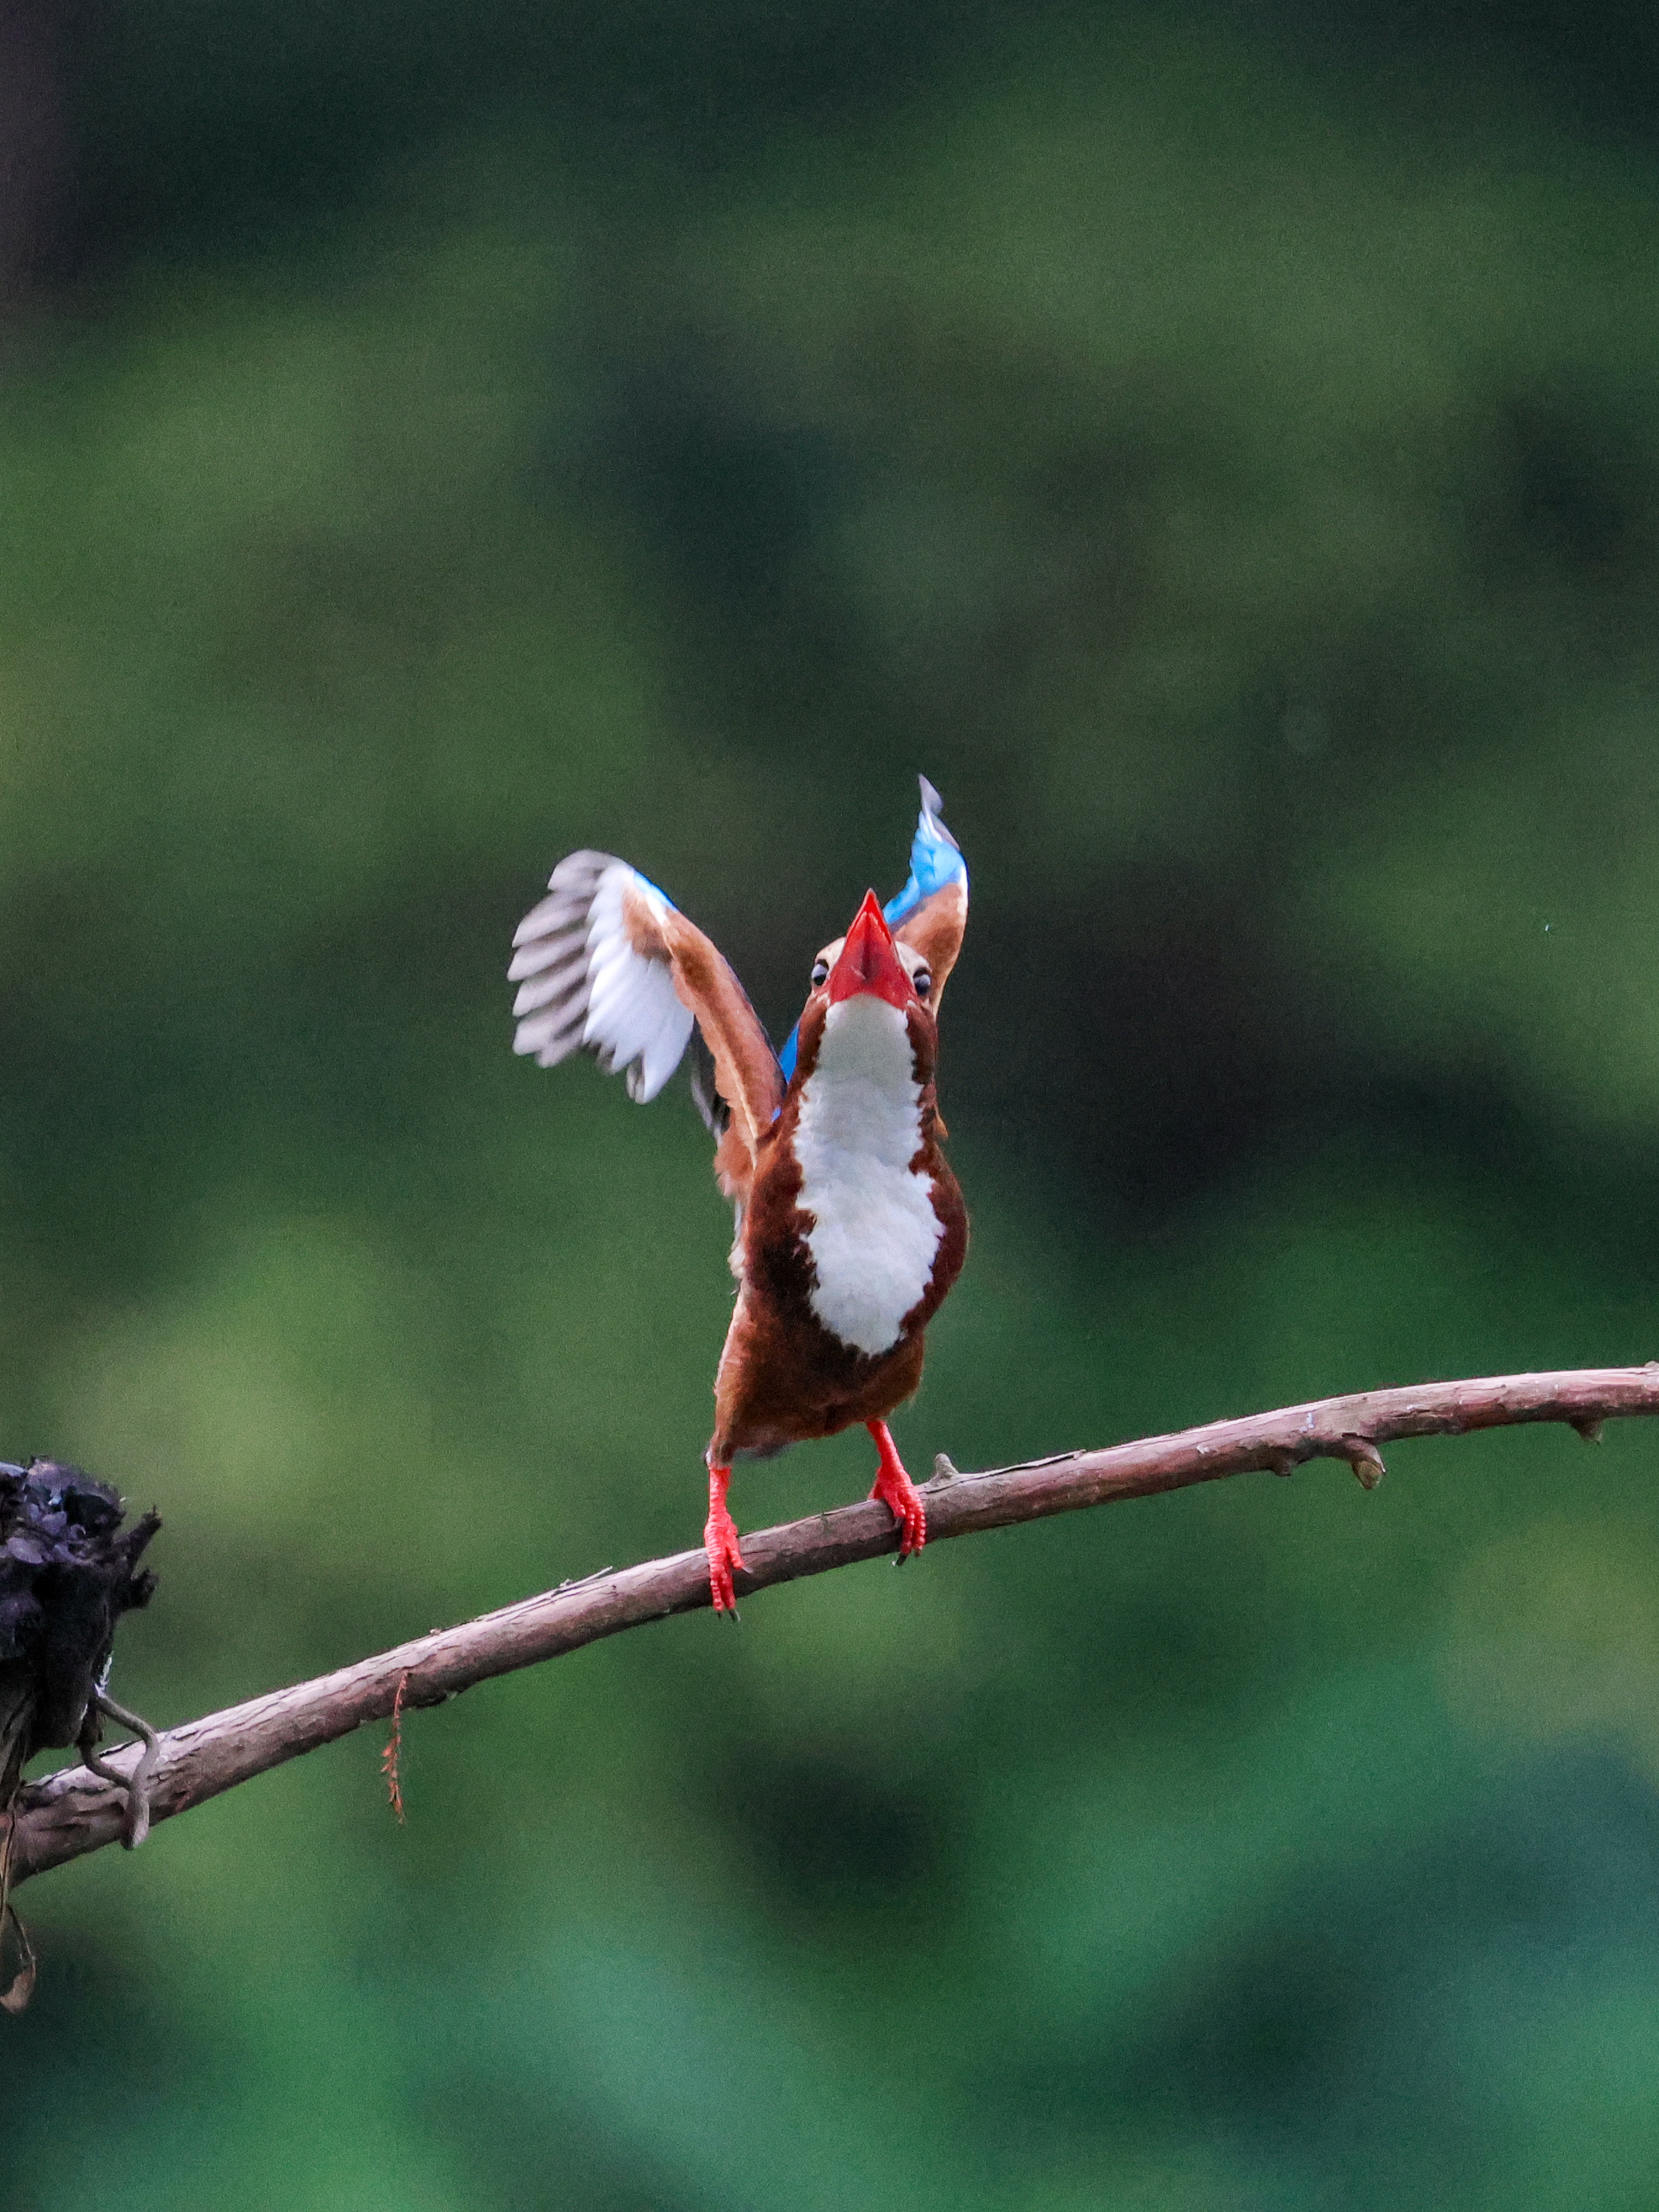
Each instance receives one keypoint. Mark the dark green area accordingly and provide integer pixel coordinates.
(1228, 465)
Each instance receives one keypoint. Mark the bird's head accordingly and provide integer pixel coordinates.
(870, 964)
(922, 927)
(869, 958)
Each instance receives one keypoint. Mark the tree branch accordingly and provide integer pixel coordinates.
(73, 1811)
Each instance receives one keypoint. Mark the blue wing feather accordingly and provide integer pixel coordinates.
(935, 860)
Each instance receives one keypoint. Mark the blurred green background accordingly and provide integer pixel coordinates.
(1220, 446)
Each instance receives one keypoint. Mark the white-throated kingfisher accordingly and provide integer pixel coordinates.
(850, 1226)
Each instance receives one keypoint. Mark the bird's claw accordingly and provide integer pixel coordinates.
(725, 1559)
(904, 1501)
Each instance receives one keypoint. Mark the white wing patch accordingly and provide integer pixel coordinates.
(582, 987)
(875, 1233)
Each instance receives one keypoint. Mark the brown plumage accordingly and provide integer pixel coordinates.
(784, 1377)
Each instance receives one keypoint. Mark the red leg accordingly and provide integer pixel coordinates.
(896, 1491)
(719, 1538)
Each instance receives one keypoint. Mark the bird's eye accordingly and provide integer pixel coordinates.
(820, 973)
(921, 982)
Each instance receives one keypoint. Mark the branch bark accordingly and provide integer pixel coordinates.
(73, 1811)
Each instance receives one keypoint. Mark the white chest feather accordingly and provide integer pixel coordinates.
(875, 1233)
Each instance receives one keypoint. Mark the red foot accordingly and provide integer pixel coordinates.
(720, 1539)
(896, 1491)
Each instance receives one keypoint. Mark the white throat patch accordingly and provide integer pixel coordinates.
(875, 1233)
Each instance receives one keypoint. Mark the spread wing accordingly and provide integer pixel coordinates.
(931, 911)
(607, 964)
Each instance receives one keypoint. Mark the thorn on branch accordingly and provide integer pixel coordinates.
(1364, 1459)
(1588, 1427)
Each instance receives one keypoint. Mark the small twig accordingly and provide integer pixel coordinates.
(136, 1785)
(74, 1811)
(14, 1998)
(1364, 1459)
(393, 1751)
(16, 1992)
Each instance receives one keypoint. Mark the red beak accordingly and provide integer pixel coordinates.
(868, 962)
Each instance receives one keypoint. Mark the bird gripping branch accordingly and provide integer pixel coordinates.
(850, 1226)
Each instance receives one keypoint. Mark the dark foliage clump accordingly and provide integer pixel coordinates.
(68, 1571)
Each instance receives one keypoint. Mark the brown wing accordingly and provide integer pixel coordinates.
(606, 964)
(747, 1076)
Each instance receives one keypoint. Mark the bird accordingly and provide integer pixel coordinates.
(850, 1227)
